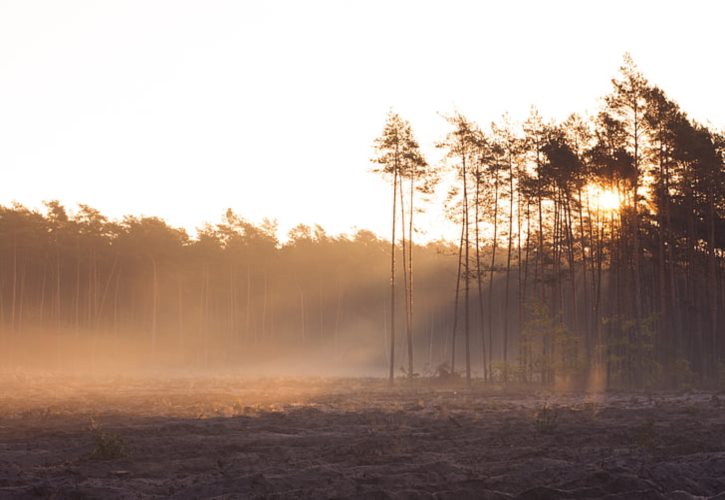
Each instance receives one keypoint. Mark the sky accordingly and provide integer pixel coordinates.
(182, 109)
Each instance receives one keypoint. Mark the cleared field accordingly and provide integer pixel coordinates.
(229, 437)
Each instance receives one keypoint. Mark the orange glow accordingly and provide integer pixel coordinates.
(604, 199)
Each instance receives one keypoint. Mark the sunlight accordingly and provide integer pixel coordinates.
(605, 199)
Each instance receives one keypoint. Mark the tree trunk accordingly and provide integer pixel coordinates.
(455, 303)
(410, 275)
(391, 375)
(155, 306)
(494, 246)
(479, 272)
(13, 310)
(508, 272)
(467, 275)
(408, 336)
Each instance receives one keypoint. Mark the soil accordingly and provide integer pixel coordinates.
(228, 437)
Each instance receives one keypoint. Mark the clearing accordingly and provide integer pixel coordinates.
(232, 437)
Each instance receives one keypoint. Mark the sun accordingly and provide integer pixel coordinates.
(604, 199)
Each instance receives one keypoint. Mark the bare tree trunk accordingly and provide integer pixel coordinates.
(115, 303)
(479, 272)
(42, 293)
(467, 275)
(13, 310)
(528, 352)
(455, 303)
(674, 305)
(321, 312)
(569, 235)
(58, 303)
(539, 272)
(21, 305)
(540, 263)
(232, 309)
(338, 317)
(408, 333)
(587, 306)
(664, 320)
(636, 245)
(102, 302)
(302, 311)
(519, 288)
(202, 309)
(556, 302)
(264, 308)
(712, 286)
(490, 276)
(391, 375)
(596, 259)
(180, 314)
(598, 291)
(248, 307)
(155, 306)
(78, 292)
(508, 273)
(206, 313)
(410, 275)
(89, 290)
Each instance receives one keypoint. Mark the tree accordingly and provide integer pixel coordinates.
(511, 148)
(398, 155)
(627, 104)
(461, 145)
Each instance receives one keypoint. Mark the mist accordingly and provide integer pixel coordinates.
(564, 339)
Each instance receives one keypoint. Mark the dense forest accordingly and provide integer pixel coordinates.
(591, 252)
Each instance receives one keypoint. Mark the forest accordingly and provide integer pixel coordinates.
(591, 254)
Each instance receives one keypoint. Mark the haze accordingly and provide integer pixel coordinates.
(552, 325)
(270, 108)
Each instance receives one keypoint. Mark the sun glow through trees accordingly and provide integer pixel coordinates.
(604, 199)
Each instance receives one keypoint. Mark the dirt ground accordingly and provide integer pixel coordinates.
(227, 437)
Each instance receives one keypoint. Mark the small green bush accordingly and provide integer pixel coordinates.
(546, 420)
(108, 446)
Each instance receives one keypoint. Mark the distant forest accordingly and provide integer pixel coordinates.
(591, 253)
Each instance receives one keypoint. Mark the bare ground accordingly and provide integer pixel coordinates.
(227, 437)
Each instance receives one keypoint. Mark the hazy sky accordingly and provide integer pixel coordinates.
(184, 108)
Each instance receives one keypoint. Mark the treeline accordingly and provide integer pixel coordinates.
(608, 235)
(80, 284)
(590, 252)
